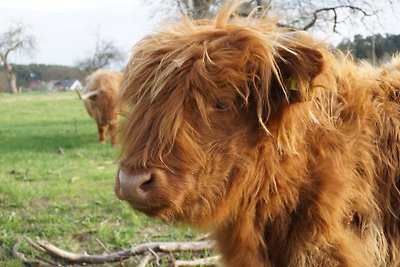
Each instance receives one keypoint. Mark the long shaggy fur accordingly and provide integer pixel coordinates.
(102, 88)
(287, 152)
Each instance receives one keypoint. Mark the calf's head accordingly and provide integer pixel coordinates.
(203, 98)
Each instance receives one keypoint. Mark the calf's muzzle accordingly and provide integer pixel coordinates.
(134, 188)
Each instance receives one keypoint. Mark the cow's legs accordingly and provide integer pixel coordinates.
(113, 133)
(102, 128)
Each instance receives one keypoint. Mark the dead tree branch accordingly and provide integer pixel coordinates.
(149, 252)
(146, 259)
(16, 253)
(334, 10)
(40, 262)
(210, 261)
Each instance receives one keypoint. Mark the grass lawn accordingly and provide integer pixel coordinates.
(56, 181)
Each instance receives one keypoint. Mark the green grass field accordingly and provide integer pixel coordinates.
(56, 181)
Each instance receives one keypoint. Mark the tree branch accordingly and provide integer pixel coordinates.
(139, 250)
(210, 261)
(334, 9)
(13, 47)
(146, 259)
(23, 258)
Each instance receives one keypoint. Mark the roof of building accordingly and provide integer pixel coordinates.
(65, 83)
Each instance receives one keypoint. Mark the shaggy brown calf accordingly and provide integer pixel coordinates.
(288, 154)
(100, 101)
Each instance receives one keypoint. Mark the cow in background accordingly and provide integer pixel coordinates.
(101, 102)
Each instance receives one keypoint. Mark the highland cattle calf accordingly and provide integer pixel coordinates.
(286, 151)
(100, 100)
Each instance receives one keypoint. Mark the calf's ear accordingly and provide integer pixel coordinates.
(285, 79)
(297, 66)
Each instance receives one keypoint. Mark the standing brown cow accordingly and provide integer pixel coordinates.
(287, 153)
(100, 101)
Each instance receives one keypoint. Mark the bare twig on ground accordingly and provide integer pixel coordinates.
(41, 262)
(210, 261)
(203, 237)
(146, 259)
(156, 257)
(16, 253)
(149, 252)
(102, 245)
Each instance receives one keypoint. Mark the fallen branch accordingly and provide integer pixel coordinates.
(41, 262)
(155, 256)
(148, 251)
(102, 245)
(146, 259)
(210, 261)
(16, 253)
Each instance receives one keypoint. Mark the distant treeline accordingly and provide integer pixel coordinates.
(28, 73)
(362, 48)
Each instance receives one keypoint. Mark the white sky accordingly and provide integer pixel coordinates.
(64, 29)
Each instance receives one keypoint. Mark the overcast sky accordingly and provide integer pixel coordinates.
(64, 29)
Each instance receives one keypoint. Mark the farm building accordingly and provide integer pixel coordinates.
(65, 85)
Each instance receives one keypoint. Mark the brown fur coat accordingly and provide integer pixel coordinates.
(286, 152)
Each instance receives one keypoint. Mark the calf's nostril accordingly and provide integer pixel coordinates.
(136, 187)
(148, 184)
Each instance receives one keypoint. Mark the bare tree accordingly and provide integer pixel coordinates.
(198, 8)
(105, 54)
(330, 15)
(14, 39)
(327, 15)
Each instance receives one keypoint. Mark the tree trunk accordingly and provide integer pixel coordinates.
(12, 78)
(13, 83)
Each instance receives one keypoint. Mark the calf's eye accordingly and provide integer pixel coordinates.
(221, 105)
